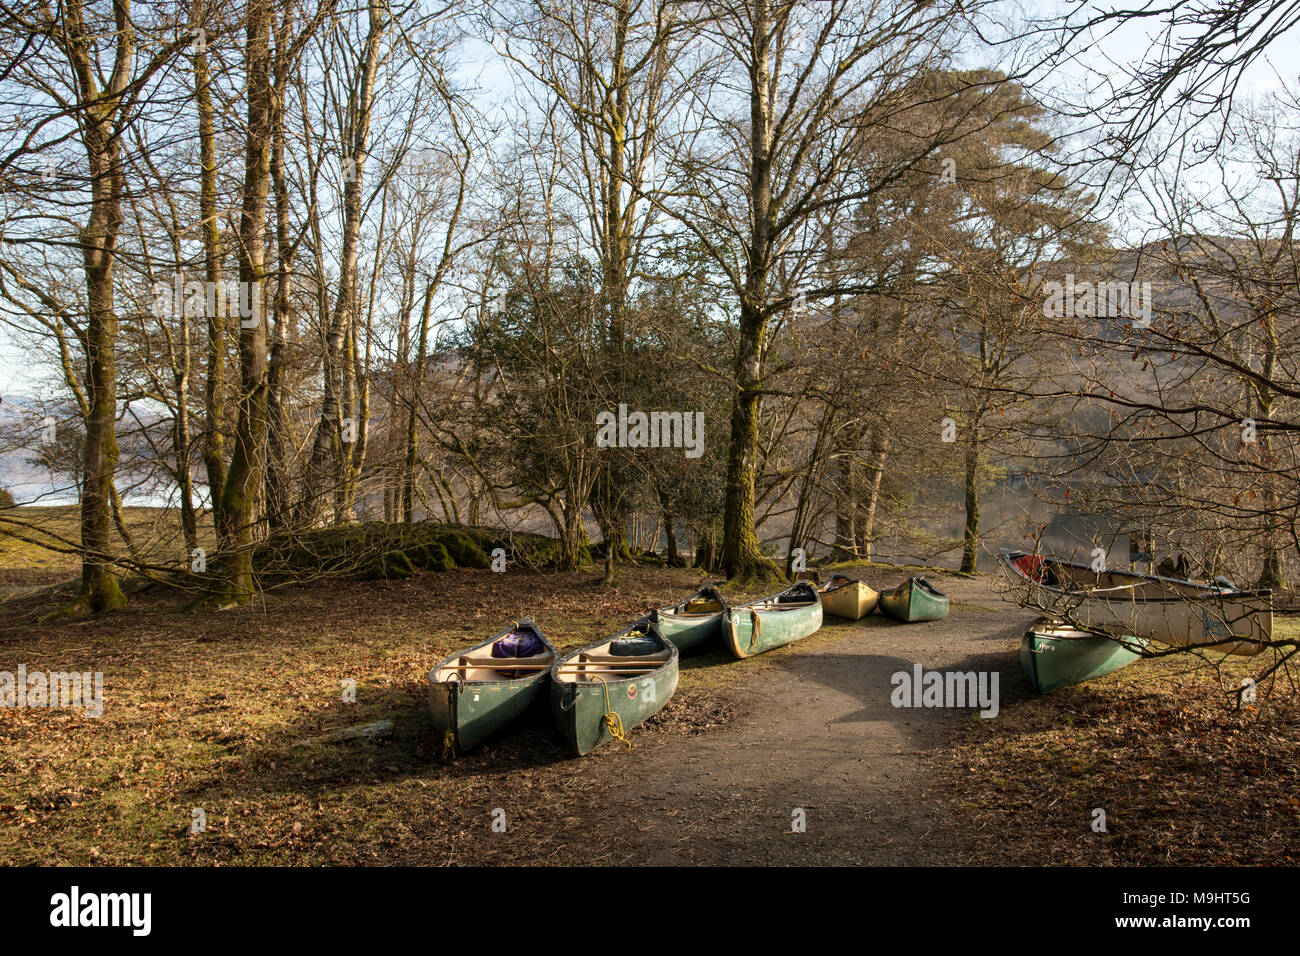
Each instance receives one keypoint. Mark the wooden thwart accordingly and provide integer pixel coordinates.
(497, 664)
(621, 660)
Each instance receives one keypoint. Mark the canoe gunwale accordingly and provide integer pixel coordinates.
(1044, 630)
(920, 582)
(501, 708)
(915, 601)
(848, 598)
(1056, 654)
(506, 662)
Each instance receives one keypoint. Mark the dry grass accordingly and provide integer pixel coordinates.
(24, 563)
(1182, 777)
(212, 711)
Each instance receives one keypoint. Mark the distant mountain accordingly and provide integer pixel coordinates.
(22, 419)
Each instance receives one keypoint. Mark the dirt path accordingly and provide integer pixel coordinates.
(816, 731)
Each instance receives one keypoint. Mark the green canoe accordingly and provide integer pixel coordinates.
(916, 599)
(599, 694)
(1056, 655)
(473, 695)
(694, 624)
(773, 621)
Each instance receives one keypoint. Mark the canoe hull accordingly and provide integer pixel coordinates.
(1169, 611)
(776, 628)
(911, 602)
(1055, 655)
(852, 602)
(579, 707)
(690, 633)
(474, 711)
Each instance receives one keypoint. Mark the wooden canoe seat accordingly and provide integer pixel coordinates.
(650, 660)
(471, 668)
(599, 663)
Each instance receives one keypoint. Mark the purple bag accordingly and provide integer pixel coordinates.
(518, 644)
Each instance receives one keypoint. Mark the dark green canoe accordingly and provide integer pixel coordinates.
(1055, 655)
(773, 621)
(473, 695)
(916, 599)
(597, 694)
(696, 623)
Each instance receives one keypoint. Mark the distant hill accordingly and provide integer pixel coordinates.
(21, 420)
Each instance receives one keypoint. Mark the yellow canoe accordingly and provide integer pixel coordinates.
(847, 598)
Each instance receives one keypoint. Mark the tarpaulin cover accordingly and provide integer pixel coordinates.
(634, 645)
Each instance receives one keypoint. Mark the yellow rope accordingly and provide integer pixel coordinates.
(612, 721)
(448, 745)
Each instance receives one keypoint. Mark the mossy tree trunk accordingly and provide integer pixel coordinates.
(214, 409)
(245, 475)
(741, 556)
(99, 115)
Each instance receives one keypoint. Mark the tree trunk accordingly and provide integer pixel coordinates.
(99, 587)
(98, 119)
(706, 551)
(213, 437)
(1271, 575)
(970, 545)
(608, 576)
(573, 541)
(412, 401)
(672, 554)
(741, 556)
(875, 475)
(847, 506)
(278, 497)
(327, 458)
(181, 442)
(244, 478)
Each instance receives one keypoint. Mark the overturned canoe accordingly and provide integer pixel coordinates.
(1055, 654)
(694, 624)
(916, 599)
(600, 692)
(773, 621)
(1168, 610)
(847, 598)
(481, 691)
